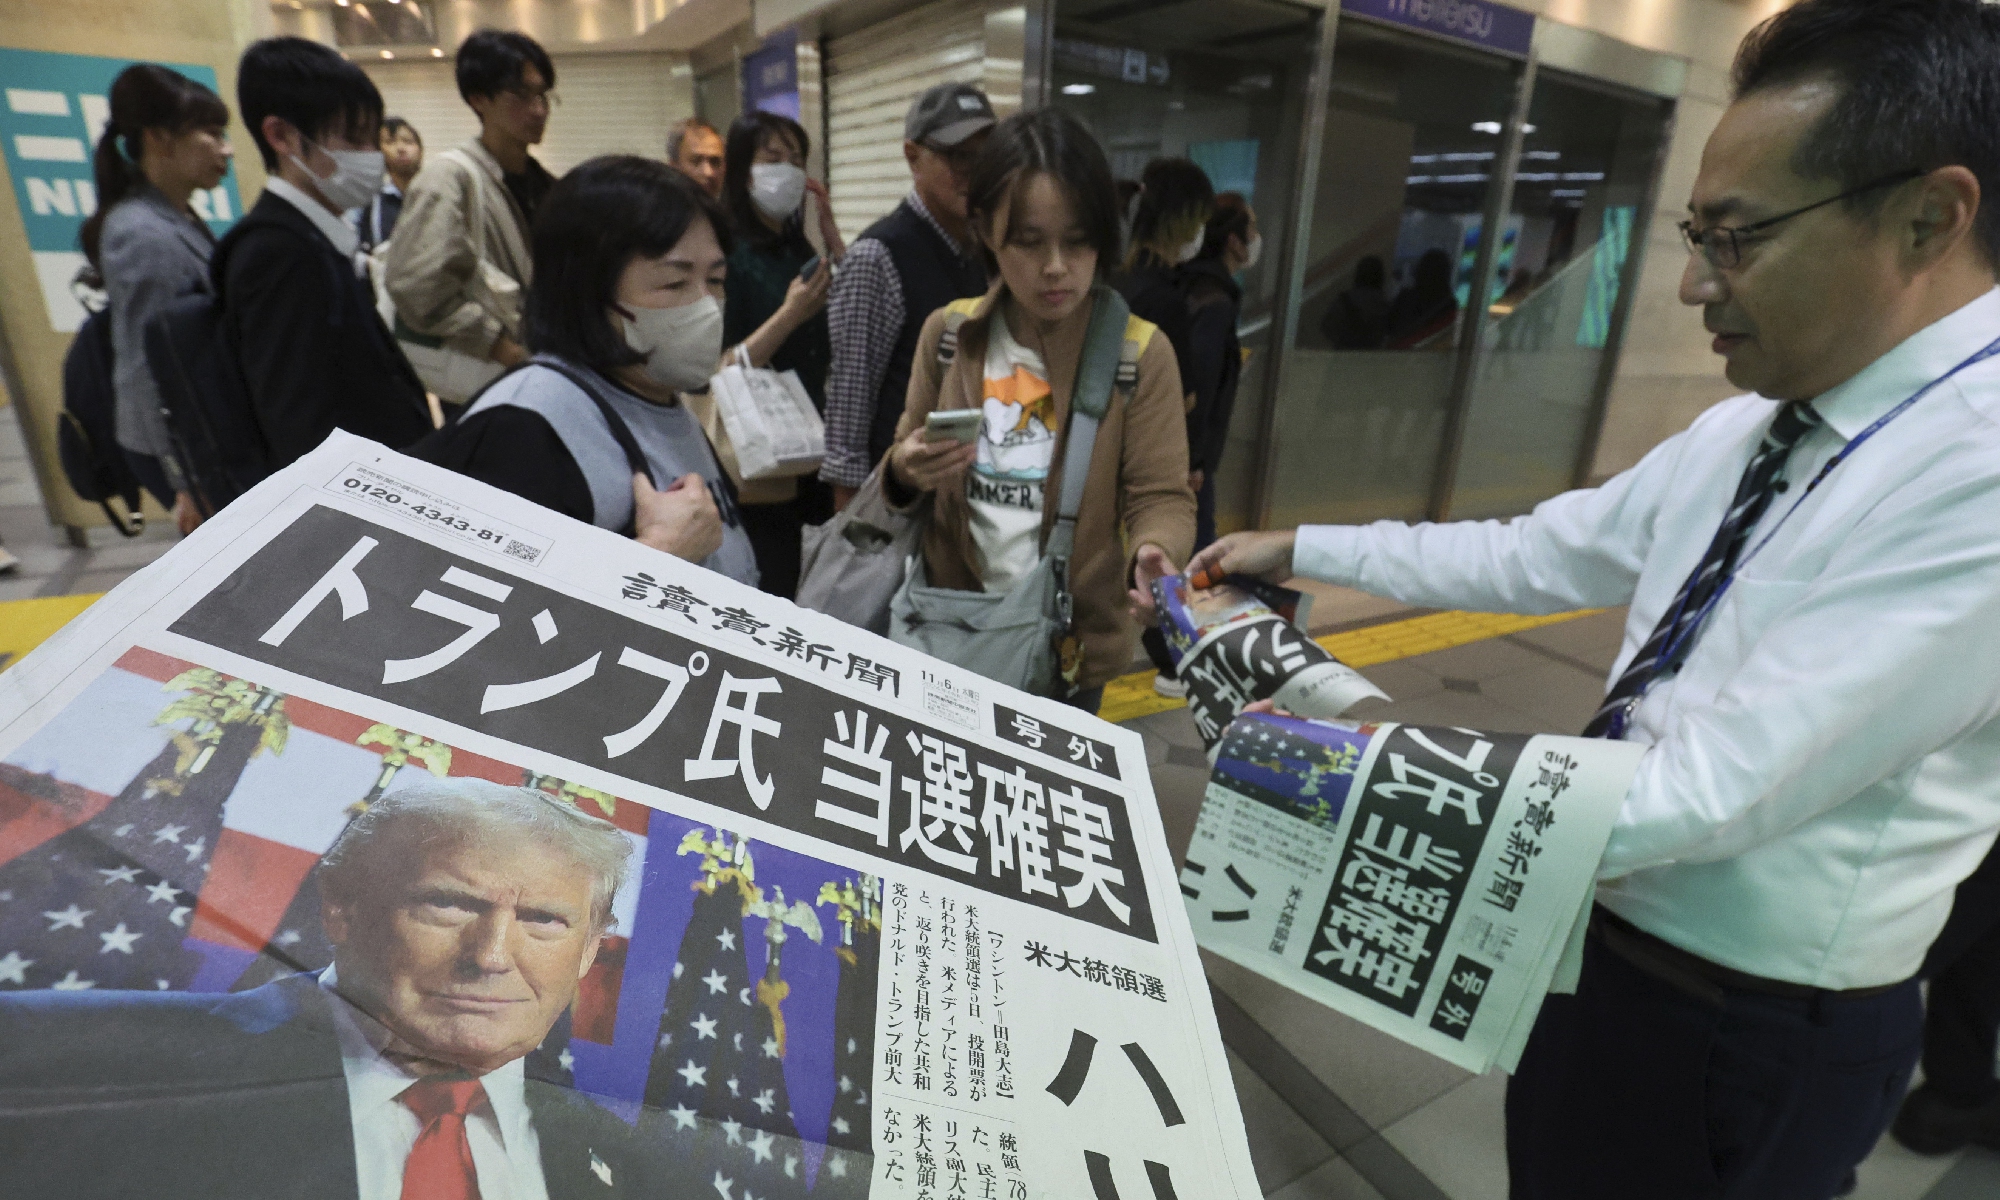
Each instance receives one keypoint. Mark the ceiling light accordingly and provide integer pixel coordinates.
(436, 53)
(1078, 89)
(1494, 127)
(388, 54)
(1584, 177)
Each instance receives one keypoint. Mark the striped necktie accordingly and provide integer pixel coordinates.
(1676, 628)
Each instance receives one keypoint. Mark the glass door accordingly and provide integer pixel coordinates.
(1580, 202)
(1222, 82)
(1407, 162)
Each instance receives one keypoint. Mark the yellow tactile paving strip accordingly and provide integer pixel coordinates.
(1131, 696)
(26, 624)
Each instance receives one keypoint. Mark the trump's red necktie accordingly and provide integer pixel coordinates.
(440, 1164)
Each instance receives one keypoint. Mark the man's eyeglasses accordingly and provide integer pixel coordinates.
(959, 158)
(531, 97)
(1722, 245)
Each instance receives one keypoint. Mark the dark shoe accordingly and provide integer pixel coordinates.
(1929, 1124)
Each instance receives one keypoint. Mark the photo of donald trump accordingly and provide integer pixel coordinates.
(463, 914)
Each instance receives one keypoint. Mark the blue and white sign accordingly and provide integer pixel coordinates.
(1493, 26)
(55, 109)
(771, 75)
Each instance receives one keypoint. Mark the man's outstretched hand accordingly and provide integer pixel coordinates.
(1266, 556)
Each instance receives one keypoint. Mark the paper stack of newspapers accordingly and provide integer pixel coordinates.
(1433, 883)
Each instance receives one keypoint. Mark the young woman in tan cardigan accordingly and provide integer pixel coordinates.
(1044, 208)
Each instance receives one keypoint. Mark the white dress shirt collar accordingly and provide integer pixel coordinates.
(335, 229)
(374, 1080)
(1920, 358)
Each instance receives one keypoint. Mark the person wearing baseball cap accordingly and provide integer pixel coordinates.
(900, 270)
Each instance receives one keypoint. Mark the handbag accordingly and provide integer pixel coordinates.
(1025, 637)
(453, 375)
(774, 432)
(851, 566)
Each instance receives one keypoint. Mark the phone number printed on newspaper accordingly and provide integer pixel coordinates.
(436, 512)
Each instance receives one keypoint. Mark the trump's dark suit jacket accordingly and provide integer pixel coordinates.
(196, 1096)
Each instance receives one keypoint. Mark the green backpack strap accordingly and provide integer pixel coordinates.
(1097, 374)
(955, 314)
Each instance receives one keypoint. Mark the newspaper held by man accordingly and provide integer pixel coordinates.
(392, 832)
(1429, 882)
(1242, 640)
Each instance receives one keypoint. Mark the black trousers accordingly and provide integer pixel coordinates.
(1964, 971)
(1634, 1089)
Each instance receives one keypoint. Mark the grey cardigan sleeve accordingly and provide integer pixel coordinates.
(146, 264)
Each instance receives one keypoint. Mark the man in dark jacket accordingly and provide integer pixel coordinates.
(301, 320)
(900, 270)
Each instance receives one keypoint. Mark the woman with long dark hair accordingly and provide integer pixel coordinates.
(776, 314)
(623, 319)
(1045, 210)
(167, 138)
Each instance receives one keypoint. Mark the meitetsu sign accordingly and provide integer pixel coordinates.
(1490, 25)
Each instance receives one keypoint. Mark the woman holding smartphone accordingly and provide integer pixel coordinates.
(1045, 210)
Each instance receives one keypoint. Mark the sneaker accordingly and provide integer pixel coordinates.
(1928, 1124)
(1170, 687)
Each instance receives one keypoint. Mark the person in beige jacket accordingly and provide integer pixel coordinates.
(1044, 208)
(458, 264)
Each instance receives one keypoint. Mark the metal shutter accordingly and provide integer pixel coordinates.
(871, 77)
(611, 104)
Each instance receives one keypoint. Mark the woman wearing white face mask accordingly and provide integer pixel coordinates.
(776, 314)
(622, 319)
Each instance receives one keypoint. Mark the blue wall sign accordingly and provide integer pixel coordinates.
(55, 107)
(771, 75)
(1493, 26)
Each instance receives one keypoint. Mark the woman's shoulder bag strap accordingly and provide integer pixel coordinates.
(620, 431)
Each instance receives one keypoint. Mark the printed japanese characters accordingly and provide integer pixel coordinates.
(1425, 881)
(656, 885)
(1242, 641)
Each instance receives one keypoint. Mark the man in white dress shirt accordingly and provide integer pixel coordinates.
(1813, 659)
(463, 916)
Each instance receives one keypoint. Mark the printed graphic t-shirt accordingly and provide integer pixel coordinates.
(1017, 443)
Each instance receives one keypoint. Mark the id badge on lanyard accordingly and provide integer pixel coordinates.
(1685, 630)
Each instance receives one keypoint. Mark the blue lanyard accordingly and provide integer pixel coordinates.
(1684, 632)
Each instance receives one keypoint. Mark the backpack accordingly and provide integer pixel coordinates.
(206, 402)
(87, 428)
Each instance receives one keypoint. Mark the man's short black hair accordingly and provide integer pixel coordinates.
(596, 220)
(311, 87)
(1052, 142)
(1919, 88)
(391, 126)
(492, 60)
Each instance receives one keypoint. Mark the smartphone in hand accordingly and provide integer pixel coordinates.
(959, 425)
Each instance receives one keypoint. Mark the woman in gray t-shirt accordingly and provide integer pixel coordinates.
(623, 316)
